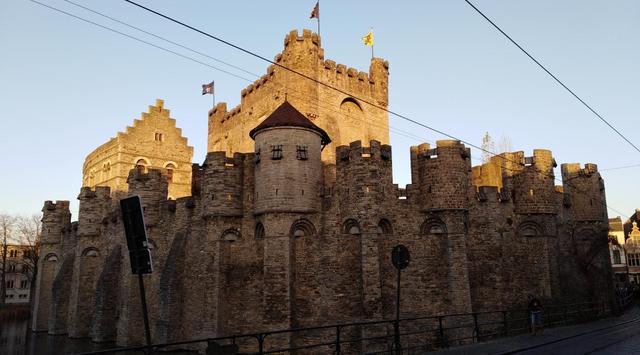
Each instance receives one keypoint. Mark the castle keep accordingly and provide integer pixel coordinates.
(290, 220)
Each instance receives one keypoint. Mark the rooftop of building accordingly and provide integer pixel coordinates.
(288, 116)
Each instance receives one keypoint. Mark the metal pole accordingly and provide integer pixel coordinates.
(505, 321)
(440, 332)
(145, 313)
(318, 18)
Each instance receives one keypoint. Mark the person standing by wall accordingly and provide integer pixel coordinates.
(535, 312)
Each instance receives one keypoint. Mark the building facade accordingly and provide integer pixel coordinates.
(17, 276)
(617, 251)
(632, 251)
(295, 228)
(153, 142)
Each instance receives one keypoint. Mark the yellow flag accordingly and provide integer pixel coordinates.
(368, 39)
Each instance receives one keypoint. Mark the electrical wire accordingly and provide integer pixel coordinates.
(251, 53)
(400, 132)
(550, 74)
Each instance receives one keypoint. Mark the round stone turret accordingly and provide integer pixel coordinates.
(444, 175)
(533, 185)
(288, 168)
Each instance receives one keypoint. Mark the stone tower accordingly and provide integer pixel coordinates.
(342, 113)
(56, 222)
(288, 181)
(288, 172)
(443, 178)
(585, 196)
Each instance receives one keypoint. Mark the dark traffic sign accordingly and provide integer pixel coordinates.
(400, 257)
(134, 230)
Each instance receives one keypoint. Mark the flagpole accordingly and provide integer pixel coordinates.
(371, 31)
(319, 20)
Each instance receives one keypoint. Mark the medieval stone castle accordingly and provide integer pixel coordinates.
(290, 220)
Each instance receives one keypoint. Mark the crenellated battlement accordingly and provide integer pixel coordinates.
(489, 194)
(327, 71)
(443, 147)
(56, 218)
(584, 192)
(220, 159)
(140, 175)
(308, 37)
(355, 152)
(570, 170)
(100, 192)
(59, 205)
(440, 176)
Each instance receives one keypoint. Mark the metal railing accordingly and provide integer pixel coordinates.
(417, 334)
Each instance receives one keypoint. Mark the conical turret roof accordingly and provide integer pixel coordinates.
(288, 116)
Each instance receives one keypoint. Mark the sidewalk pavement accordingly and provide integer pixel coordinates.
(521, 342)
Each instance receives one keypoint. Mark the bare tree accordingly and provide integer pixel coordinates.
(488, 148)
(29, 230)
(505, 144)
(7, 223)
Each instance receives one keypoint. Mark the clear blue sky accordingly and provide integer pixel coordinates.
(67, 86)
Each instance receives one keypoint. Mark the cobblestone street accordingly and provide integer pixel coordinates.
(617, 335)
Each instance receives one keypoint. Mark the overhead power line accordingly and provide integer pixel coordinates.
(394, 130)
(400, 132)
(552, 75)
(329, 86)
(159, 37)
(621, 167)
(244, 50)
(139, 40)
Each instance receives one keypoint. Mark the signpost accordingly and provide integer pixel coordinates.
(400, 258)
(139, 254)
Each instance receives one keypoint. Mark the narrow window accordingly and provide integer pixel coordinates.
(616, 257)
(302, 152)
(276, 152)
(256, 157)
(141, 165)
(170, 167)
(159, 137)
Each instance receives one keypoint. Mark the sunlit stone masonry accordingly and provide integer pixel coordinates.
(291, 218)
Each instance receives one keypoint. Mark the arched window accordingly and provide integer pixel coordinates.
(51, 258)
(259, 231)
(351, 226)
(90, 252)
(302, 228)
(433, 226)
(141, 165)
(106, 169)
(230, 235)
(170, 168)
(384, 227)
(351, 105)
(530, 229)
